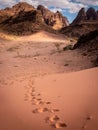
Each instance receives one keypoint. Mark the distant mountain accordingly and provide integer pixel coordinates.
(90, 15)
(23, 18)
(80, 17)
(85, 22)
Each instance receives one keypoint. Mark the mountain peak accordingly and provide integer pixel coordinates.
(80, 17)
(23, 6)
(91, 14)
(24, 18)
(40, 7)
(86, 16)
(55, 20)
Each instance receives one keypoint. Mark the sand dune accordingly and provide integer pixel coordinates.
(38, 92)
(44, 36)
(66, 101)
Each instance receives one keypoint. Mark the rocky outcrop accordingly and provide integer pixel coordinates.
(22, 19)
(79, 29)
(85, 22)
(88, 40)
(91, 14)
(55, 20)
(86, 16)
(88, 46)
(80, 17)
(15, 10)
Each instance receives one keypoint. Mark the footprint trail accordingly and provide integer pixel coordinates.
(43, 106)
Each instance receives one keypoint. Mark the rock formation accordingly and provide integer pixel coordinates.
(23, 18)
(85, 22)
(55, 20)
(86, 16)
(88, 46)
(80, 17)
(88, 40)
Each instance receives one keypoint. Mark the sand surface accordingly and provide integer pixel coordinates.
(37, 92)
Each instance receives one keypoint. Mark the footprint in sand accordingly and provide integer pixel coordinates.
(39, 102)
(87, 118)
(59, 125)
(36, 101)
(48, 103)
(54, 110)
(42, 103)
(39, 99)
(40, 110)
(52, 119)
(32, 94)
(33, 97)
(38, 94)
(84, 127)
(33, 90)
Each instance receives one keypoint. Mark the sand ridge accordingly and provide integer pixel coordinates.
(38, 92)
(43, 106)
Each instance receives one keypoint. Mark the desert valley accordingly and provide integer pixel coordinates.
(48, 69)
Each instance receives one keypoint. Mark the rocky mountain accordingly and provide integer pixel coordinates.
(20, 19)
(79, 29)
(23, 18)
(15, 10)
(90, 15)
(80, 17)
(55, 20)
(85, 22)
(88, 39)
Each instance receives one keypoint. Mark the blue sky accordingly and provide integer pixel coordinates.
(69, 8)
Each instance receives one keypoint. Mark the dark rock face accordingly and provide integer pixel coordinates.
(15, 10)
(96, 61)
(80, 17)
(55, 20)
(85, 22)
(79, 29)
(86, 40)
(86, 16)
(97, 14)
(88, 46)
(91, 14)
(23, 18)
(24, 23)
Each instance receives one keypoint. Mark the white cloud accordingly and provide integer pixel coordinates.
(89, 2)
(71, 5)
(5, 3)
(56, 9)
(32, 2)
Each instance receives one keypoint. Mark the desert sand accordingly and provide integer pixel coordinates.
(43, 87)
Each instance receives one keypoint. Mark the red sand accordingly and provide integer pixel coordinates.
(36, 93)
(71, 97)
